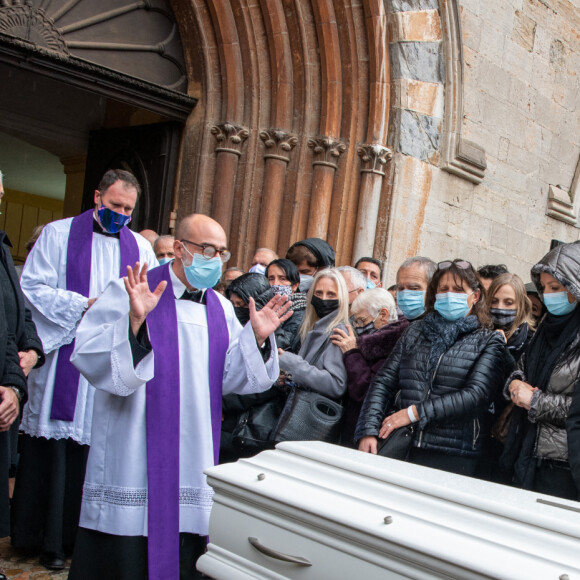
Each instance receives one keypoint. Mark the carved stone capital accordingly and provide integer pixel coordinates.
(21, 20)
(230, 138)
(278, 144)
(327, 151)
(374, 158)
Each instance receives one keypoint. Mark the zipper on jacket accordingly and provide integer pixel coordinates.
(476, 431)
(428, 391)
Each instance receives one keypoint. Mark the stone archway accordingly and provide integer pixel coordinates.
(289, 137)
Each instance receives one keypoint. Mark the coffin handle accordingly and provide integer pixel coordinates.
(278, 555)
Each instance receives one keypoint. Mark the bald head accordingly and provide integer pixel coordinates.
(149, 235)
(196, 227)
(193, 233)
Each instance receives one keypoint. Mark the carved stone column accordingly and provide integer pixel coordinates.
(230, 139)
(374, 159)
(279, 145)
(327, 152)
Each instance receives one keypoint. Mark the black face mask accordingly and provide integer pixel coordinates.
(323, 307)
(243, 314)
(502, 318)
(366, 329)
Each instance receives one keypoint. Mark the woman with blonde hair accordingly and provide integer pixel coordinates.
(510, 310)
(319, 365)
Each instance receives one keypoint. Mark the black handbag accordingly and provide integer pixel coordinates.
(398, 444)
(309, 415)
(255, 427)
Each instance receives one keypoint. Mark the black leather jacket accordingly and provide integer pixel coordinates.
(450, 400)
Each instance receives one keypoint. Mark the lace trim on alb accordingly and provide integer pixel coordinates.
(137, 496)
(119, 384)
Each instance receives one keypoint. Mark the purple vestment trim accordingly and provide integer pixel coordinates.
(78, 279)
(162, 418)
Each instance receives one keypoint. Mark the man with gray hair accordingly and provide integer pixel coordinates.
(356, 282)
(413, 277)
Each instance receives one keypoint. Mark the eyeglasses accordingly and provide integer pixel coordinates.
(461, 264)
(360, 322)
(210, 252)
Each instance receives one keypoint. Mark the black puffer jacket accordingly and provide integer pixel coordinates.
(460, 385)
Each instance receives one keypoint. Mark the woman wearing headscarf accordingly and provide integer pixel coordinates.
(310, 256)
(441, 375)
(543, 385)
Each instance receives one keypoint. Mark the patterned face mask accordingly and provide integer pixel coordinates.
(502, 317)
(282, 290)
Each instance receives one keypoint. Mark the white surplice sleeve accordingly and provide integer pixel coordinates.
(244, 355)
(56, 311)
(102, 350)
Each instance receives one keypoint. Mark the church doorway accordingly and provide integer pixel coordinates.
(87, 85)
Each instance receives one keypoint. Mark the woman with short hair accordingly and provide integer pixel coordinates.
(377, 328)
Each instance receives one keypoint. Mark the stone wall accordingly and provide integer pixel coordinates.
(519, 81)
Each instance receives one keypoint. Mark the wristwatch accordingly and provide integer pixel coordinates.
(18, 391)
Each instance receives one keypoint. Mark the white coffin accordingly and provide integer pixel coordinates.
(348, 515)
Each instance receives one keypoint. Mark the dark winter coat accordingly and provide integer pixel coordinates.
(450, 371)
(18, 317)
(362, 364)
(547, 436)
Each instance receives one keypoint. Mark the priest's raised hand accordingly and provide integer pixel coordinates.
(265, 321)
(142, 301)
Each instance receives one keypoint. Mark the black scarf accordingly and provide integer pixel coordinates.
(553, 336)
(443, 334)
(517, 341)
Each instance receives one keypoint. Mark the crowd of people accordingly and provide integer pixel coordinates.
(133, 364)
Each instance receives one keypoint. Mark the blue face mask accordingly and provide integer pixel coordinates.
(203, 272)
(411, 303)
(164, 261)
(370, 284)
(557, 303)
(452, 305)
(111, 221)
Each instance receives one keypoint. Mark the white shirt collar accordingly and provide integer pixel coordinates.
(178, 286)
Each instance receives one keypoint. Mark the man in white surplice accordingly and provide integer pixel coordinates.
(116, 483)
(91, 246)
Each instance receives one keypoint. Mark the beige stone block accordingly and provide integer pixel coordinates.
(494, 81)
(492, 43)
(421, 26)
(425, 98)
(524, 32)
(517, 60)
(504, 147)
(471, 25)
(498, 240)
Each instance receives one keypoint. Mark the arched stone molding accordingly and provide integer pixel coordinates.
(458, 155)
(308, 68)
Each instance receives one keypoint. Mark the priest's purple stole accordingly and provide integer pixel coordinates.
(78, 279)
(162, 419)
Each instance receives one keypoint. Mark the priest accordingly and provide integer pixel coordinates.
(68, 268)
(161, 349)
